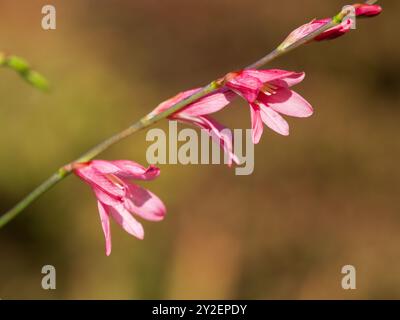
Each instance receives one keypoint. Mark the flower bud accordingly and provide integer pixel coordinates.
(367, 10)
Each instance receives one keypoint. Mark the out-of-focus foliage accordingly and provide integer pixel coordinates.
(21, 66)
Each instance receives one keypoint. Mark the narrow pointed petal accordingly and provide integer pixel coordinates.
(287, 78)
(217, 131)
(289, 81)
(211, 103)
(126, 169)
(98, 180)
(130, 169)
(125, 219)
(145, 204)
(105, 223)
(288, 102)
(257, 126)
(206, 105)
(105, 167)
(106, 198)
(221, 135)
(175, 99)
(274, 120)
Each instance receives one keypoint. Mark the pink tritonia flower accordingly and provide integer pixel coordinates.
(197, 113)
(269, 95)
(120, 199)
(267, 92)
(361, 10)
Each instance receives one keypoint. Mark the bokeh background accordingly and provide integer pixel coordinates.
(324, 197)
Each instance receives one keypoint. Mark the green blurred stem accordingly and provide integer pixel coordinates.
(22, 67)
(20, 206)
(150, 119)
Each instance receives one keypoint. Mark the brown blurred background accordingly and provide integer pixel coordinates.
(324, 197)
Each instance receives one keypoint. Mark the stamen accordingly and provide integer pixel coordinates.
(269, 89)
(115, 180)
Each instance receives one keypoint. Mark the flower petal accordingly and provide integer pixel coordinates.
(302, 31)
(288, 102)
(105, 167)
(106, 198)
(257, 126)
(220, 134)
(245, 85)
(274, 120)
(336, 31)
(206, 105)
(99, 180)
(215, 130)
(130, 169)
(144, 203)
(124, 218)
(175, 99)
(210, 103)
(105, 223)
(288, 78)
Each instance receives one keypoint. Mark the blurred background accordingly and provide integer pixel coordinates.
(324, 197)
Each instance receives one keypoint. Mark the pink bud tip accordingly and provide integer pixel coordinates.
(367, 10)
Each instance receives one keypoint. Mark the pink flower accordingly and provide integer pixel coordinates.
(361, 10)
(197, 113)
(269, 95)
(118, 197)
(267, 92)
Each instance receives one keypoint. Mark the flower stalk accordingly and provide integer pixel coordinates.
(151, 118)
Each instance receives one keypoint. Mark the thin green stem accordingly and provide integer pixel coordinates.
(67, 169)
(20, 206)
(150, 119)
(284, 50)
(145, 122)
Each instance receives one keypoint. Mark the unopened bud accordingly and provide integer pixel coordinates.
(18, 64)
(37, 80)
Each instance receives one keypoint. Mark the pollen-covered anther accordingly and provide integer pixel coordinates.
(269, 89)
